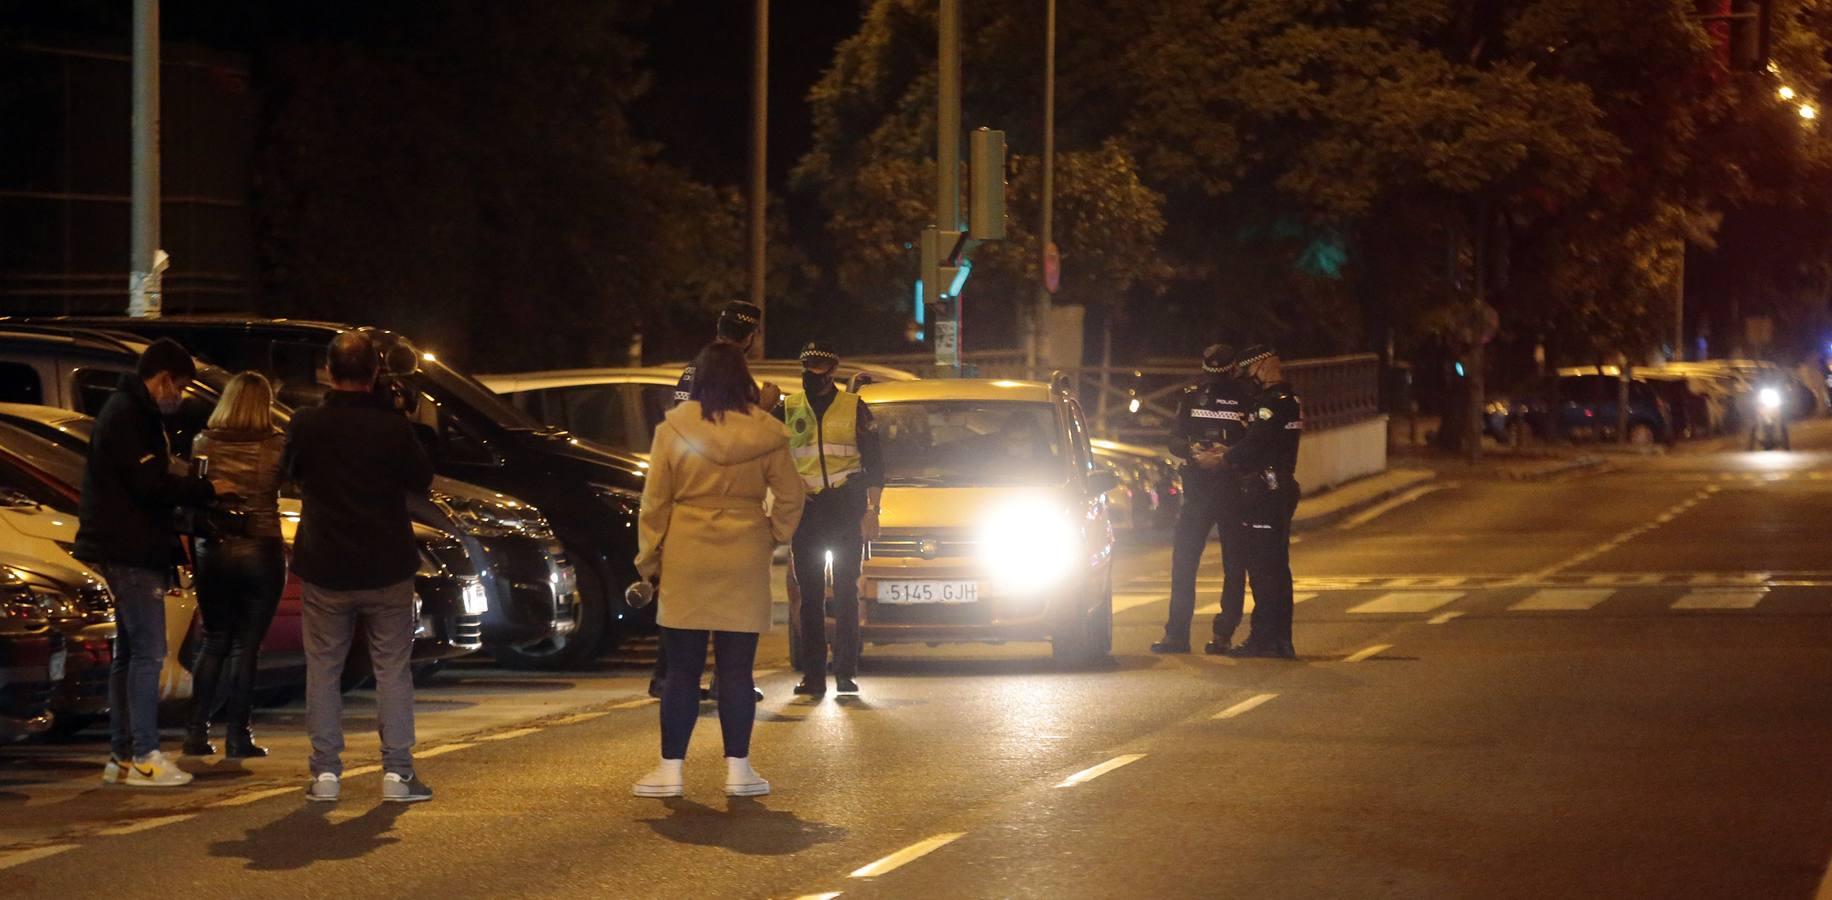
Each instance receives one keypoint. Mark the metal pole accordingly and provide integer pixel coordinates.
(948, 148)
(1040, 317)
(1679, 306)
(143, 287)
(759, 187)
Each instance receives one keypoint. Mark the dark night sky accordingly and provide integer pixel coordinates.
(700, 57)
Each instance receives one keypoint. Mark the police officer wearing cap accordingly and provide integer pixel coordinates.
(737, 326)
(1266, 462)
(835, 447)
(1211, 417)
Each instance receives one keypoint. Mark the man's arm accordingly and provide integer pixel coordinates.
(871, 468)
(1180, 428)
(1259, 448)
(416, 467)
(146, 468)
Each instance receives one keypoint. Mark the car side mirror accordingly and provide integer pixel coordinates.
(1102, 480)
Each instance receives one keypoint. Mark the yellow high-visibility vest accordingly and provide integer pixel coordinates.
(825, 448)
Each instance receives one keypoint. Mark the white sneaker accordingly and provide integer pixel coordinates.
(111, 773)
(743, 781)
(411, 789)
(324, 789)
(154, 770)
(665, 781)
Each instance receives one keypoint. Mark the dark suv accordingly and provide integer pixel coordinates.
(590, 493)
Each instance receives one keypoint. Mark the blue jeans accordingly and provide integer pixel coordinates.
(139, 654)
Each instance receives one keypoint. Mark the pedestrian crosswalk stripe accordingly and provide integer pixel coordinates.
(1720, 599)
(1131, 600)
(1243, 706)
(1562, 599)
(31, 854)
(1408, 602)
(1214, 609)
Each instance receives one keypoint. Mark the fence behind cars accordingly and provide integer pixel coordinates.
(1138, 403)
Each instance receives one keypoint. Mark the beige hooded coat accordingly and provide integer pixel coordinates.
(703, 528)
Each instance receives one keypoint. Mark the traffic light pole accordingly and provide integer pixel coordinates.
(145, 265)
(948, 175)
(760, 134)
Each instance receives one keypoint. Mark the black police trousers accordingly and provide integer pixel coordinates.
(1266, 542)
(1209, 504)
(830, 524)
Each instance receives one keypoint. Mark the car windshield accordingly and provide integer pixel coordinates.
(970, 443)
(470, 393)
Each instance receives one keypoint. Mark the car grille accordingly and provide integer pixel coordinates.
(908, 545)
(467, 632)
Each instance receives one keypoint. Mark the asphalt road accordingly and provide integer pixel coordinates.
(1614, 684)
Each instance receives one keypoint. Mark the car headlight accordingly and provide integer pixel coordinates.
(1030, 546)
(1769, 398)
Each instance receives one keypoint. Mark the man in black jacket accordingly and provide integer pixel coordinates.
(356, 460)
(131, 489)
(1266, 462)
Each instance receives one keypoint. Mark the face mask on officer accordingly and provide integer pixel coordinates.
(817, 383)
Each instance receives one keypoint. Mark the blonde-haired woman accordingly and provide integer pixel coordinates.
(239, 576)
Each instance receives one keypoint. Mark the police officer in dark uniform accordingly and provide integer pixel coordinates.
(1211, 417)
(737, 325)
(835, 446)
(1266, 462)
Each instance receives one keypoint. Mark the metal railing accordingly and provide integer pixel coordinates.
(1138, 403)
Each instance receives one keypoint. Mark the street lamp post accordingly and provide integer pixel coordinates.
(146, 263)
(1039, 350)
(759, 187)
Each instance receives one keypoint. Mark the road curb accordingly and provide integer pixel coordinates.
(1302, 523)
(1543, 473)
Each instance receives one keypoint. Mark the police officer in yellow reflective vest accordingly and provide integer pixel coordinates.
(835, 446)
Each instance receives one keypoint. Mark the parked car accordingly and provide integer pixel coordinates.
(528, 579)
(32, 659)
(589, 493)
(449, 598)
(1582, 407)
(994, 524)
(1149, 481)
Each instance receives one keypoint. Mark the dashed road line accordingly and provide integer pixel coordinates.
(1089, 774)
(1389, 505)
(633, 704)
(907, 855)
(510, 735)
(1720, 599)
(577, 718)
(1561, 599)
(1407, 602)
(442, 750)
(258, 796)
(31, 854)
(1367, 653)
(1444, 618)
(1665, 517)
(1244, 706)
(144, 825)
(827, 896)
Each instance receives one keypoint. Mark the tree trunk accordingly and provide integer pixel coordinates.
(1478, 402)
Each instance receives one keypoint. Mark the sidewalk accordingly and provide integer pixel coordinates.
(1325, 508)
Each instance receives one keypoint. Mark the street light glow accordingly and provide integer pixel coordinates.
(1786, 93)
(1808, 113)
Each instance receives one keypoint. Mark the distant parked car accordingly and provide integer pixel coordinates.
(1583, 407)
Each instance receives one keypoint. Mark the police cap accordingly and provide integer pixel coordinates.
(819, 355)
(1254, 354)
(1218, 358)
(742, 313)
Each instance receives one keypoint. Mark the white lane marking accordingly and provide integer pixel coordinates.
(1380, 509)
(258, 796)
(144, 825)
(1557, 599)
(441, 750)
(1130, 600)
(510, 735)
(576, 718)
(1408, 602)
(1214, 609)
(1367, 653)
(1444, 618)
(1665, 517)
(1720, 599)
(1244, 706)
(907, 855)
(827, 896)
(632, 704)
(1089, 774)
(21, 857)
(762, 673)
(362, 770)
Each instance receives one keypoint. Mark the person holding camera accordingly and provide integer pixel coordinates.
(241, 563)
(357, 462)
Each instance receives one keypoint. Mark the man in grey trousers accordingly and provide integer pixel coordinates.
(356, 461)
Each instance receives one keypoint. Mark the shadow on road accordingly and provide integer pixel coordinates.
(305, 836)
(745, 826)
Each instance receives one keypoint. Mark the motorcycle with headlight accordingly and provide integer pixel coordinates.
(1769, 427)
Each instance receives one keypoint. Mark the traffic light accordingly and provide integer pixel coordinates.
(986, 169)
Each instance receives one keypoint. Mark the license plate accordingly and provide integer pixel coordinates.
(57, 664)
(476, 602)
(928, 592)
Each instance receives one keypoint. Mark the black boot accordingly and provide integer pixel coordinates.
(239, 743)
(812, 686)
(1171, 645)
(1217, 647)
(197, 740)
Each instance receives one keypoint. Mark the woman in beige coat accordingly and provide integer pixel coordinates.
(704, 531)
